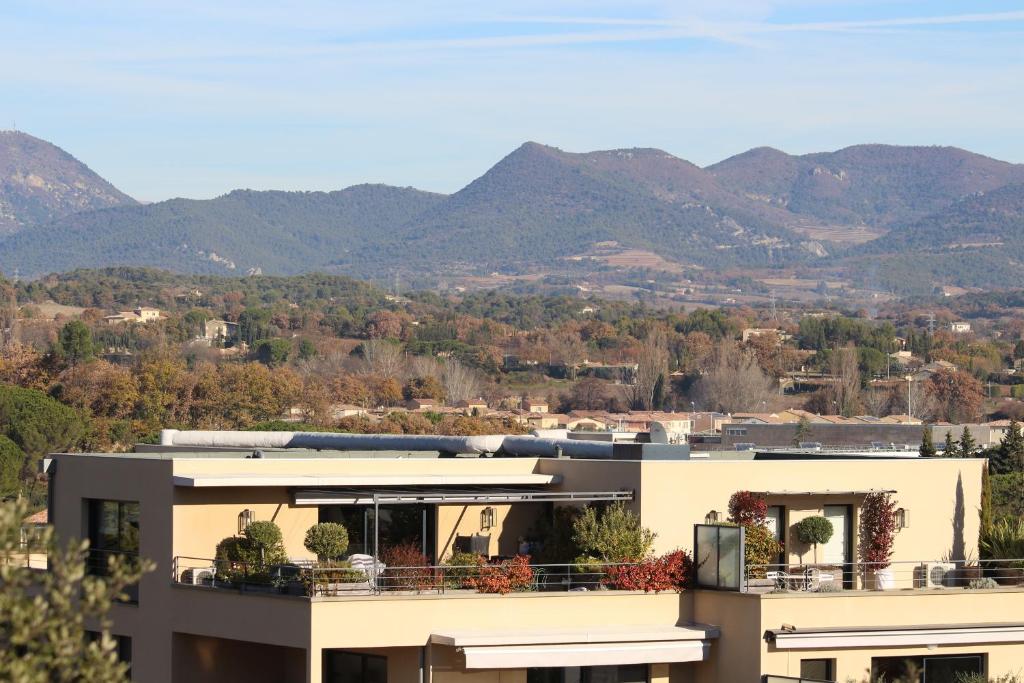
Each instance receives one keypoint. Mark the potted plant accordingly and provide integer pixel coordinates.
(327, 540)
(877, 535)
(813, 531)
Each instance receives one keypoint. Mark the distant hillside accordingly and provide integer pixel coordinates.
(540, 204)
(40, 182)
(275, 232)
(879, 185)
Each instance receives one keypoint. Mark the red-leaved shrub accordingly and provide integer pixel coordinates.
(747, 508)
(406, 568)
(670, 572)
(511, 575)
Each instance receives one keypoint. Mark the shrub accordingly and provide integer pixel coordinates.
(760, 549)
(830, 587)
(511, 575)
(268, 542)
(813, 530)
(747, 508)
(1004, 540)
(615, 535)
(463, 569)
(406, 567)
(672, 571)
(326, 575)
(327, 540)
(982, 584)
(877, 529)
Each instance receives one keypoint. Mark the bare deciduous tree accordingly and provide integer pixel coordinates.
(845, 389)
(460, 381)
(651, 364)
(735, 382)
(383, 358)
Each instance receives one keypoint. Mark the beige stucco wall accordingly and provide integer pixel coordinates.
(890, 608)
(941, 495)
(511, 523)
(205, 516)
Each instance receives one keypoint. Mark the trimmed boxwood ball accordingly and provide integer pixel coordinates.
(814, 530)
(327, 540)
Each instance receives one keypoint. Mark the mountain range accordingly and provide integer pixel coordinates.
(867, 204)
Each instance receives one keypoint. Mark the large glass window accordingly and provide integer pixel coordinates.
(353, 667)
(399, 525)
(113, 527)
(937, 669)
(633, 673)
(818, 669)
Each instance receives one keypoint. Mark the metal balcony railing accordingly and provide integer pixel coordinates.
(897, 575)
(311, 579)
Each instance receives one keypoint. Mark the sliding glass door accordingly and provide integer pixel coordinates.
(399, 525)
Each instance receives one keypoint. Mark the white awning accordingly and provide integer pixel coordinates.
(598, 646)
(348, 480)
(841, 638)
(482, 495)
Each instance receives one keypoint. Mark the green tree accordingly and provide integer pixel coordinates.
(927, 449)
(950, 449)
(1008, 456)
(803, 431)
(74, 343)
(38, 424)
(985, 511)
(254, 324)
(614, 535)
(967, 444)
(43, 629)
(273, 352)
(307, 350)
(12, 460)
(1018, 349)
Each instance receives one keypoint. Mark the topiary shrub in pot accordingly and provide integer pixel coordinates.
(268, 542)
(813, 531)
(327, 540)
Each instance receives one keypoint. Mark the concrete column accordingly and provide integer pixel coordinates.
(657, 673)
(314, 665)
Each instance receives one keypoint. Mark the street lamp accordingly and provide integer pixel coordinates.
(910, 390)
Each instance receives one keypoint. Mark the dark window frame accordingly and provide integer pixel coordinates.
(328, 670)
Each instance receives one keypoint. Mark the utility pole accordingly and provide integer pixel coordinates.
(910, 390)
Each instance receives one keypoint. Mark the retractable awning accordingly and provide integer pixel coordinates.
(823, 492)
(893, 636)
(224, 480)
(466, 495)
(594, 646)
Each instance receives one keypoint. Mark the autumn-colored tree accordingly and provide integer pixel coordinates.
(423, 387)
(460, 381)
(386, 391)
(588, 394)
(957, 396)
(105, 389)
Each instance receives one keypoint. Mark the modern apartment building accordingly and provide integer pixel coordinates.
(191, 622)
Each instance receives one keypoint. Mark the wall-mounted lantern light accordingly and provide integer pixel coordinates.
(902, 518)
(245, 518)
(487, 518)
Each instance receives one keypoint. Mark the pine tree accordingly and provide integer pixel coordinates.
(967, 444)
(927, 449)
(950, 450)
(1008, 456)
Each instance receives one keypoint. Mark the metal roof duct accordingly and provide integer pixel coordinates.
(331, 441)
(573, 448)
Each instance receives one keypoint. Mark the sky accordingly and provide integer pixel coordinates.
(194, 99)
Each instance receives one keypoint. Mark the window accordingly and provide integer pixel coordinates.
(352, 667)
(939, 669)
(113, 528)
(124, 647)
(818, 669)
(633, 673)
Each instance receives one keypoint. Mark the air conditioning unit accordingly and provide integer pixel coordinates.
(935, 575)
(199, 576)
